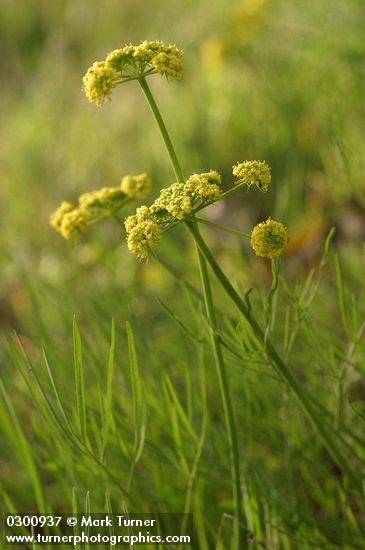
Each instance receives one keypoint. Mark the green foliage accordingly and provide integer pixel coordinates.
(162, 420)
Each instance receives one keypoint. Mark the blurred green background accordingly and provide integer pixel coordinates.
(264, 79)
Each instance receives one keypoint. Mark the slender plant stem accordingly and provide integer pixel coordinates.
(165, 135)
(275, 358)
(233, 189)
(240, 540)
(239, 532)
(223, 227)
(134, 77)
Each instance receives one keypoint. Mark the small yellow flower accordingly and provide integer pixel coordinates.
(136, 187)
(142, 237)
(254, 172)
(269, 239)
(99, 82)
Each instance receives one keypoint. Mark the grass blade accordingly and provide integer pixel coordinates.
(80, 386)
(108, 414)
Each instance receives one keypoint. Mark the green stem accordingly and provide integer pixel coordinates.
(223, 227)
(134, 77)
(278, 363)
(165, 135)
(233, 189)
(239, 535)
(240, 540)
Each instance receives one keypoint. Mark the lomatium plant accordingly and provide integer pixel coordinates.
(179, 203)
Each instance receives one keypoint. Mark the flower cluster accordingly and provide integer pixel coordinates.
(269, 239)
(136, 187)
(69, 221)
(131, 62)
(99, 82)
(254, 172)
(93, 206)
(169, 65)
(142, 231)
(206, 185)
(174, 204)
(106, 198)
(175, 200)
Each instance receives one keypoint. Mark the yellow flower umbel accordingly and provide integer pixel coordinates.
(131, 62)
(253, 172)
(136, 187)
(97, 205)
(69, 221)
(269, 239)
(142, 232)
(142, 236)
(74, 222)
(99, 82)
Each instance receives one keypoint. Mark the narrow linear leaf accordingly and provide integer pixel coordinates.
(176, 319)
(79, 378)
(108, 414)
(75, 511)
(179, 409)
